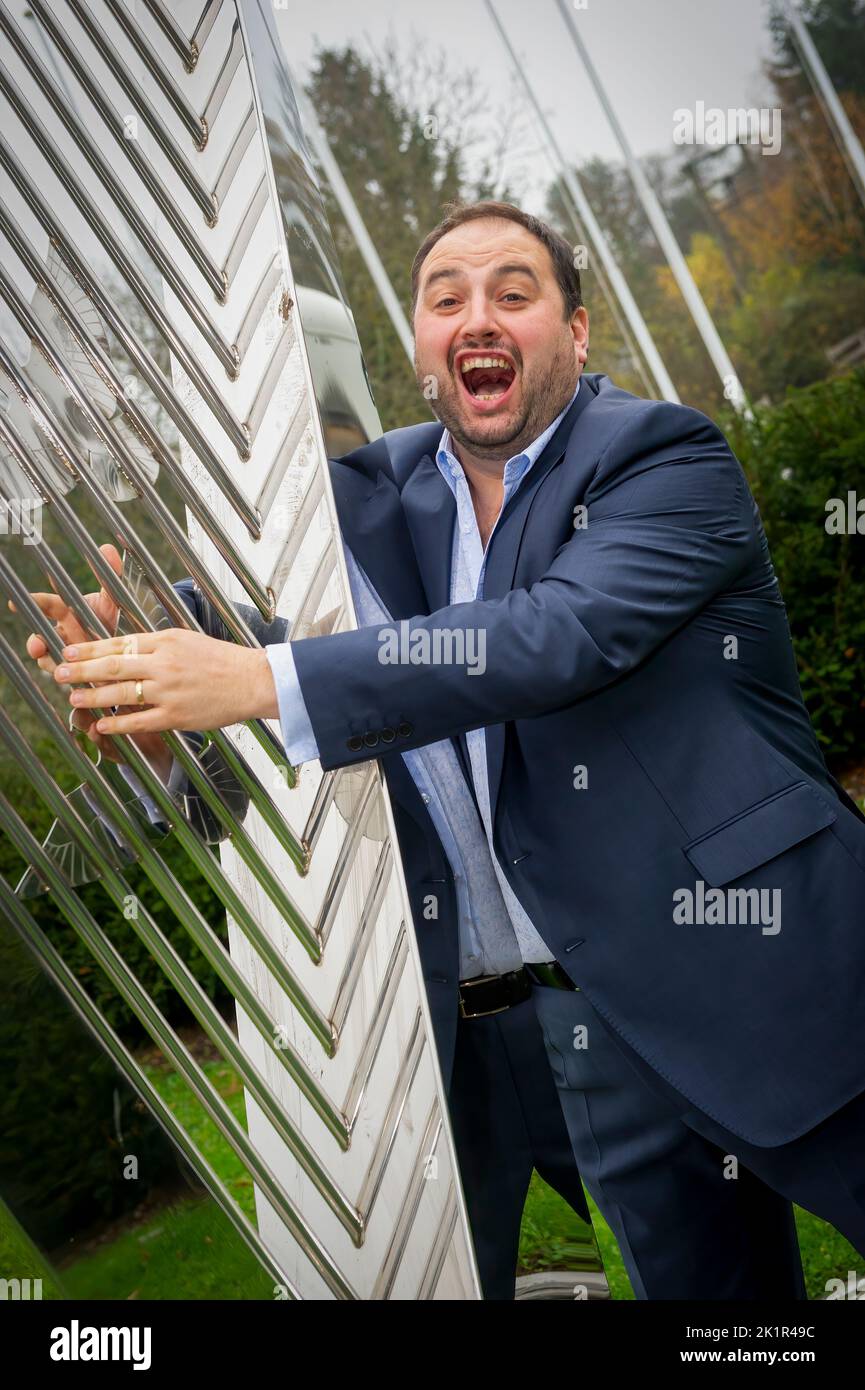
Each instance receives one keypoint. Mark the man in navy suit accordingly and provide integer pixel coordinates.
(575, 666)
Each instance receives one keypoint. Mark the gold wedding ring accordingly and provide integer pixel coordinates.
(139, 692)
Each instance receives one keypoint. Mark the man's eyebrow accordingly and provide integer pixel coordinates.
(454, 273)
(516, 268)
(448, 272)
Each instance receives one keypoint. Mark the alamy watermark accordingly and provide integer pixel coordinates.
(77, 1343)
(702, 906)
(17, 1290)
(22, 516)
(740, 125)
(436, 646)
(845, 516)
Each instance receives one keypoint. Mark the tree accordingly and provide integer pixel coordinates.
(409, 134)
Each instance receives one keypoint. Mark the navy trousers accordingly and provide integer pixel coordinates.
(691, 1223)
(507, 1119)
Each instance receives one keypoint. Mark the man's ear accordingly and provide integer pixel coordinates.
(580, 330)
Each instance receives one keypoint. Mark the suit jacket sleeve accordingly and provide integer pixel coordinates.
(670, 524)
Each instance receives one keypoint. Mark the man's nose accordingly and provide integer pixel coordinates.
(480, 320)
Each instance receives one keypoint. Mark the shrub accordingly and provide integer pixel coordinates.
(797, 455)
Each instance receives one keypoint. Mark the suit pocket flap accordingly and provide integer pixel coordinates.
(759, 834)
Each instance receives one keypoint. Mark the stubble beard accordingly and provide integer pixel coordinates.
(498, 440)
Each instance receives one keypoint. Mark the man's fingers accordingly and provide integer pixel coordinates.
(52, 605)
(102, 603)
(85, 723)
(113, 556)
(146, 721)
(104, 696)
(69, 629)
(58, 612)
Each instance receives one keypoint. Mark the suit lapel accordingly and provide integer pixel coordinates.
(369, 510)
(504, 547)
(430, 511)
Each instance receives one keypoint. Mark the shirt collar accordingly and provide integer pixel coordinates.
(520, 464)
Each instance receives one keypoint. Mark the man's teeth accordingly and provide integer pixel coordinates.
(469, 363)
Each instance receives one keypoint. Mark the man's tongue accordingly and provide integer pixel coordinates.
(488, 381)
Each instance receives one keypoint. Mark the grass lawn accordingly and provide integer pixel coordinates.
(188, 1251)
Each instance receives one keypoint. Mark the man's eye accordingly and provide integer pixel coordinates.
(443, 303)
(512, 294)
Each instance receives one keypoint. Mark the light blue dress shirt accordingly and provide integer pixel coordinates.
(495, 932)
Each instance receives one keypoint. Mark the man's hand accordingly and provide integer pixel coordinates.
(71, 631)
(185, 681)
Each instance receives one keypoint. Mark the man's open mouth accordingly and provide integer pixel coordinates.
(486, 377)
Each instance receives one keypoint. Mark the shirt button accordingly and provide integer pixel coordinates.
(424, 798)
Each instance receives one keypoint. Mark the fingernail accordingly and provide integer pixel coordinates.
(62, 672)
(70, 653)
(76, 697)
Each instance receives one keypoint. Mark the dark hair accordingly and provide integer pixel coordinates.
(561, 254)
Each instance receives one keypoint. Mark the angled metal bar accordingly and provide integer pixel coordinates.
(319, 930)
(195, 127)
(128, 987)
(48, 423)
(845, 136)
(195, 848)
(350, 211)
(411, 1203)
(356, 1093)
(189, 989)
(581, 202)
(118, 525)
(201, 33)
(705, 324)
(224, 351)
(389, 1130)
(186, 49)
(72, 989)
(117, 447)
(309, 505)
(202, 195)
(213, 276)
(138, 354)
(350, 977)
(227, 72)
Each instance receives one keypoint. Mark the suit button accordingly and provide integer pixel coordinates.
(355, 743)
(388, 735)
(370, 739)
(404, 730)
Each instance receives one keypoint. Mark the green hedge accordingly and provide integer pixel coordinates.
(112, 920)
(62, 1105)
(797, 456)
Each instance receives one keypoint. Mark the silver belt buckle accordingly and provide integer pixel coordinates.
(482, 1013)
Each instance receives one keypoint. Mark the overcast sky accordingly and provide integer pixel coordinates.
(652, 56)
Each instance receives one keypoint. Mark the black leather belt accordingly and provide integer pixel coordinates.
(491, 994)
